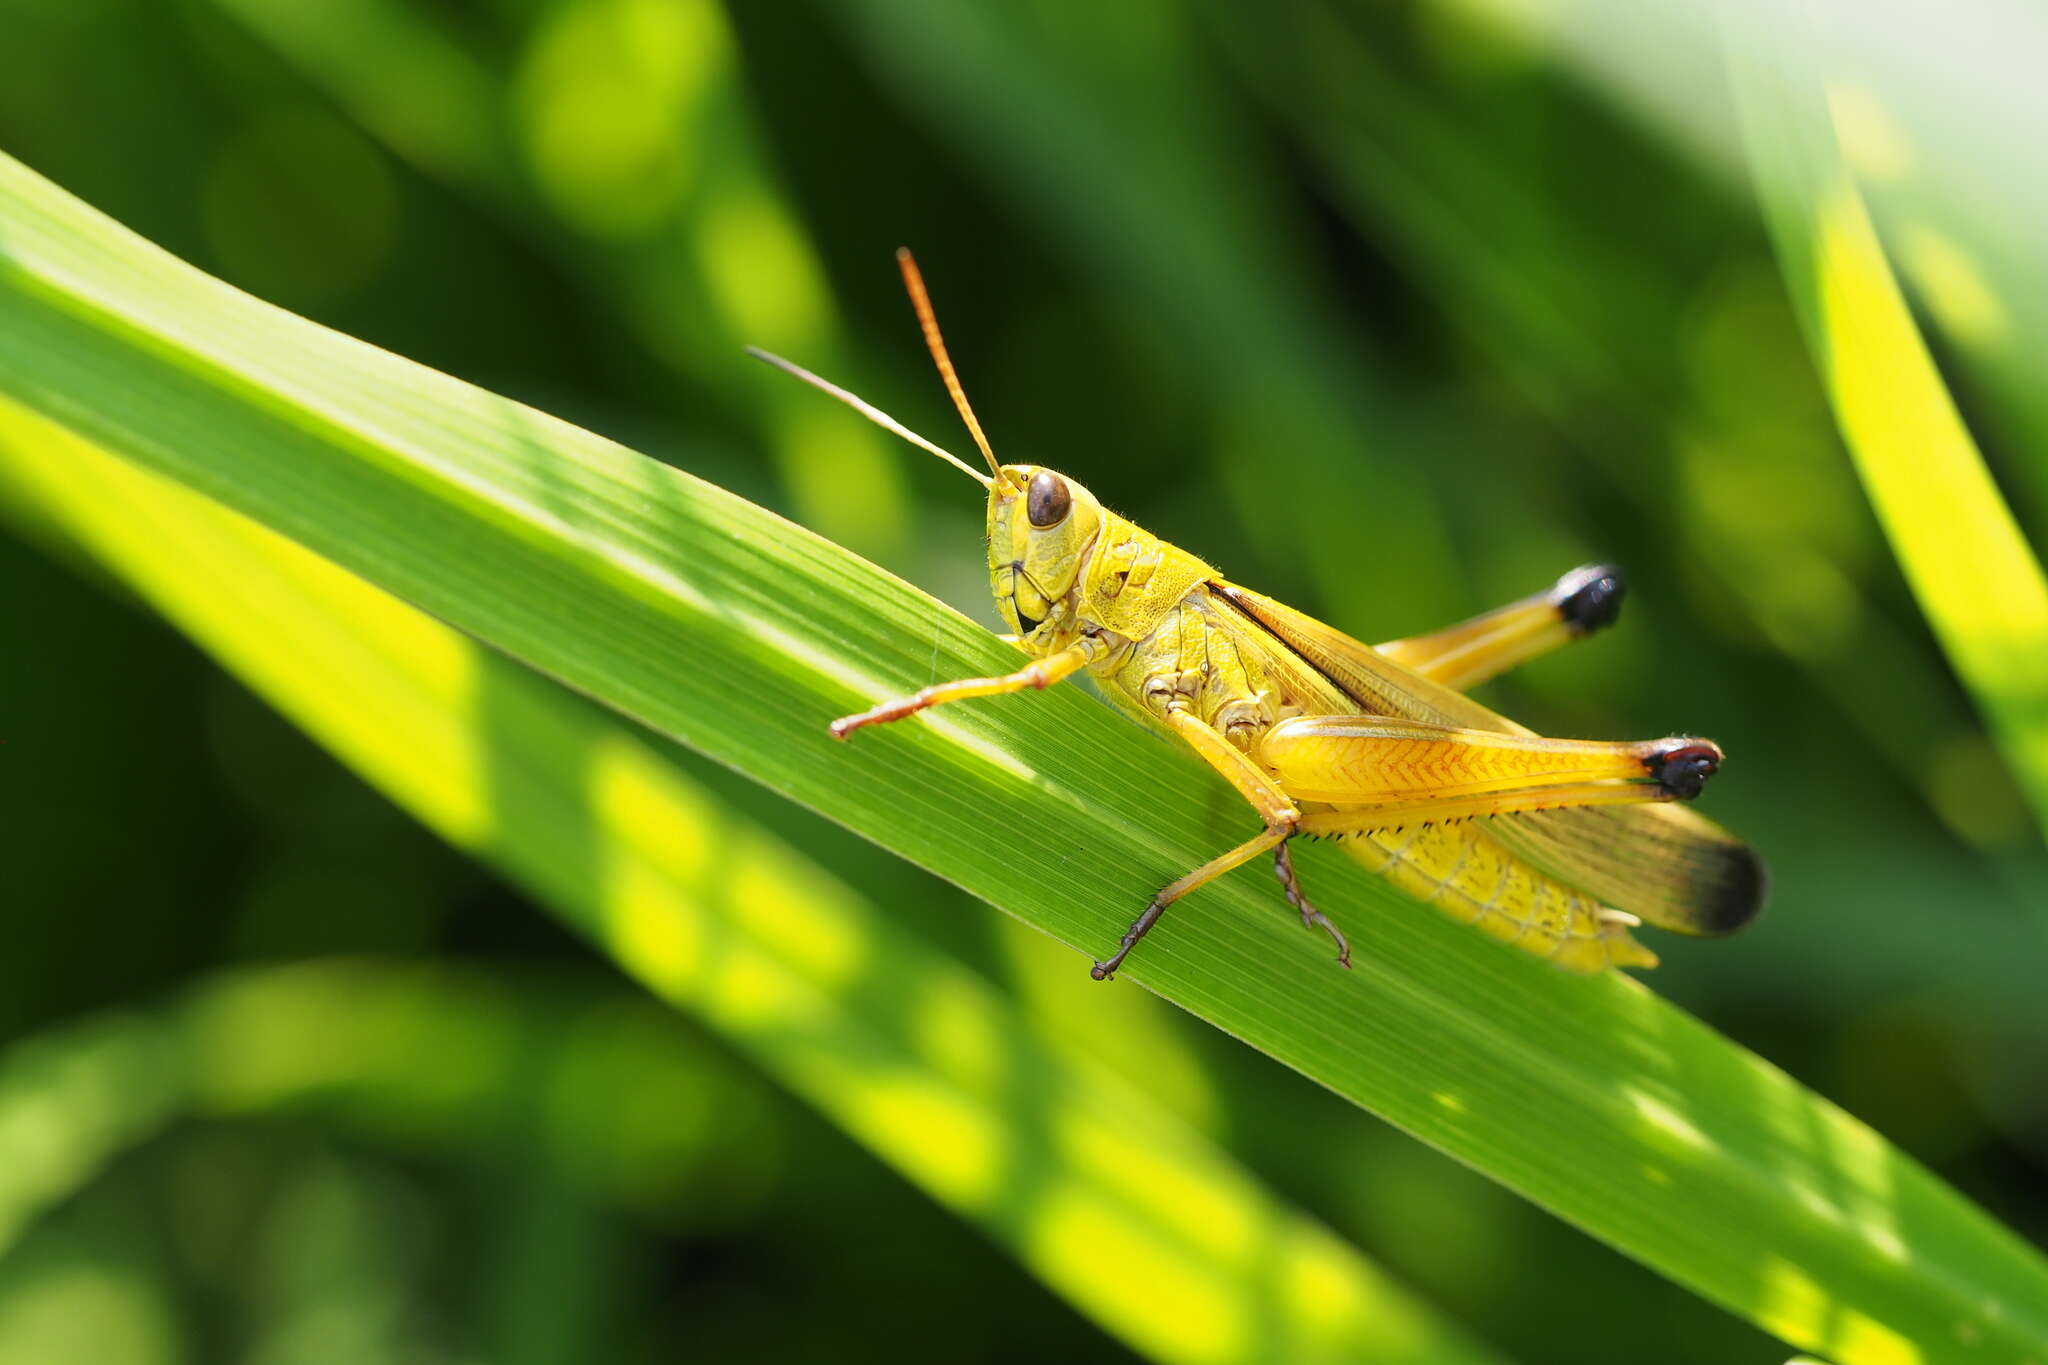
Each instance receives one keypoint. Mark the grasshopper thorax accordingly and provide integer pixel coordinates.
(1041, 528)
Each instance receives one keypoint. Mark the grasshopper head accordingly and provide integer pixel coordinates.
(1040, 526)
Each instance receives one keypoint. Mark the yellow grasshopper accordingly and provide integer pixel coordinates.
(1558, 846)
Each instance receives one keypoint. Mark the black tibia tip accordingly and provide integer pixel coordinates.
(1684, 765)
(1589, 598)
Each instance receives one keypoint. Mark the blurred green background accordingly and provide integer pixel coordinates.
(1394, 311)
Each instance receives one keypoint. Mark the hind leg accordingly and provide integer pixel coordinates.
(1471, 652)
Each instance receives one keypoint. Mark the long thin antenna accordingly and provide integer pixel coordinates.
(867, 410)
(913, 280)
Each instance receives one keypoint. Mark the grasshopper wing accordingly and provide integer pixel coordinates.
(1676, 869)
(1664, 863)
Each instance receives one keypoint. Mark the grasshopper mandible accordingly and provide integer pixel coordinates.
(1558, 846)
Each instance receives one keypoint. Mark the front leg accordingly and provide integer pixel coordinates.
(1039, 673)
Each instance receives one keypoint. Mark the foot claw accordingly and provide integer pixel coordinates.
(1311, 918)
(1102, 971)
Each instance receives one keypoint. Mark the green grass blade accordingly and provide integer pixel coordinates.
(1977, 580)
(717, 623)
(1113, 1202)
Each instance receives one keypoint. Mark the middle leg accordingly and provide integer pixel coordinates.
(1278, 812)
(1207, 872)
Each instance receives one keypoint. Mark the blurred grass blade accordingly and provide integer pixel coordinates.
(434, 1057)
(717, 623)
(1104, 1195)
(1977, 580)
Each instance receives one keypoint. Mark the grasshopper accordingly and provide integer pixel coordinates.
(1558, 846)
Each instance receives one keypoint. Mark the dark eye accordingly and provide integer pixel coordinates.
(1048, 501)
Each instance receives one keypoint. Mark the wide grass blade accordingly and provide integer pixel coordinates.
(717, 623)
(1112, 1201)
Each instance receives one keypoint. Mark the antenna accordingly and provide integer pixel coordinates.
(913, 280)
(867, 410)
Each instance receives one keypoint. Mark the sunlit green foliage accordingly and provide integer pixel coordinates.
(1393, 310)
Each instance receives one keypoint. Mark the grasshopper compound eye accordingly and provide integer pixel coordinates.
(1048, 501)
